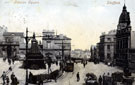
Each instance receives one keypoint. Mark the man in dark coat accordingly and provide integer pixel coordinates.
(15, 81)
(104, 81)
(100, 80)
(4, 77)
(30, 77)
(12, 78)
(78, 76)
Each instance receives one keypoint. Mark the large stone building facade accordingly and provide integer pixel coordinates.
(58, 45)
(125, 42)
(11, 43)
(106, 46)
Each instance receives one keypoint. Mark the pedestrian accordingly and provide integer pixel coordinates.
(12, 77)
(100, 80)
(4, 77)
(13, 60)
(84, 65)
(108, 74)
(9, 61)
(109, 79)
(30, 77)
(78, 77)
(15, 81)
(104, 81)
(7, 80)
(60, 65)
(10, 68)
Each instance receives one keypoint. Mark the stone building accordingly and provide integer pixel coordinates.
(3, 29)
(11, 43)
(57, 45)
(106, 46)
(125, 42)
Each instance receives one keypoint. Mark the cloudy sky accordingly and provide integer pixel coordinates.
(81, 20)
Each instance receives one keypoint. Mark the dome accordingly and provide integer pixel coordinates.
(124, 17)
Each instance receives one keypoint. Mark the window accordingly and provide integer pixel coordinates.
(108, 56)
(108, 47)
(108, 39)
(114, 39)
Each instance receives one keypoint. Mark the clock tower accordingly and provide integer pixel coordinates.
(123, 39)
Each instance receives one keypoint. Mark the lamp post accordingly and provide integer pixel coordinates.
(26, 38)
(62, 50)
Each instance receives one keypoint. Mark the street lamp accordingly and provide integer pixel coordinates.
(26, 38)
(62, 50)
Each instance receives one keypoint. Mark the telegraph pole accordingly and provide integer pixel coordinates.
(62, 51)
(26, 38)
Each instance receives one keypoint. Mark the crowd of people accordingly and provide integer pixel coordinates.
(105, 79)
(6, 80)
(5, 77)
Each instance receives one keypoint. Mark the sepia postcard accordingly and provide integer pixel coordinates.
(67, 42)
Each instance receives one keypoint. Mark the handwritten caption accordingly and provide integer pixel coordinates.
(113, 2)
(25, 2)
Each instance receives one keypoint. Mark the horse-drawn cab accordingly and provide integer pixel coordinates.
(91, 79)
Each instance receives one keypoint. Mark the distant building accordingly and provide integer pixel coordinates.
(93, 51)
(57, 45)
(14, 37)
(3, 29)
(125, 42)
(106, 46)
(79, 53)
(11, 43)
(87, 54)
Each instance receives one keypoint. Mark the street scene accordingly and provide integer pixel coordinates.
(67, 42)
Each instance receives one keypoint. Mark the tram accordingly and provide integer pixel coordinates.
(69, 67)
